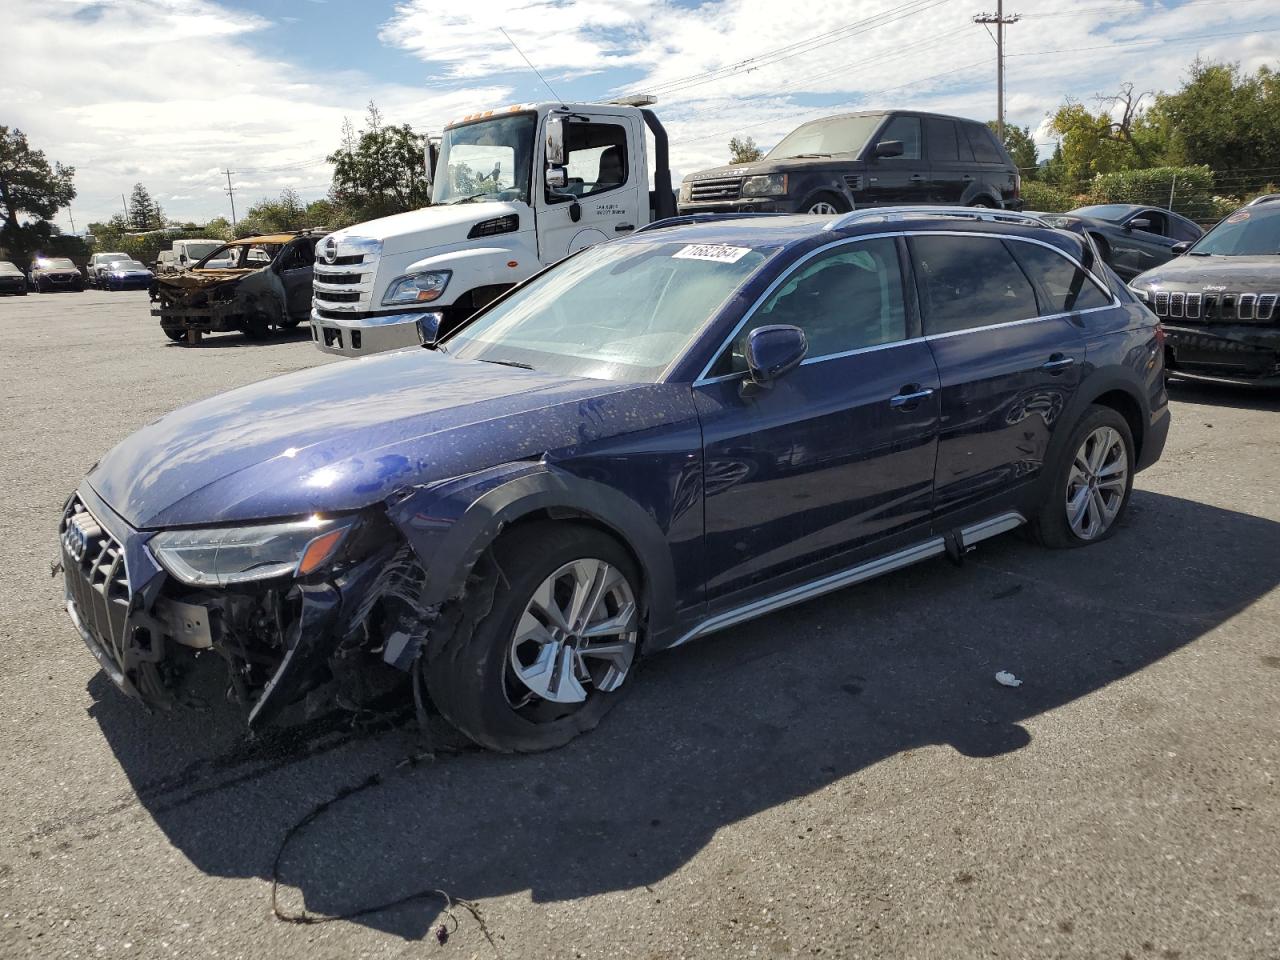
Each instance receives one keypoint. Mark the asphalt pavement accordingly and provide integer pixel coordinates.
(842, 779)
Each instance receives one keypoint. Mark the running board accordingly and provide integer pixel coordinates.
(933, 547)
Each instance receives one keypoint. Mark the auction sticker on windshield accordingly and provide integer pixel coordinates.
(711, 251)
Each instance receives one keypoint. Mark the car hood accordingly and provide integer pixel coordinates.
(346, 435)
(432, 226)
(1261, 274)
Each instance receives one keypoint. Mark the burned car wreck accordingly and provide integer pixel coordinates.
(252, 285)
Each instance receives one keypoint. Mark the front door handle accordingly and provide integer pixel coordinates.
(623, 228)
(916, 177)
(967, 178)
(910, 397)
(1057, 363)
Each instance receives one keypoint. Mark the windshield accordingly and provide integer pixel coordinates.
(1246, 233)
(110, 257)
(618, 311)
(126, 265)
(238, 256)
(55, 263)
(1111, 212)
(822, 138)
(490, 160)
(197, 250)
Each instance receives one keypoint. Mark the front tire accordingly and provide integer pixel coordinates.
(1092, 483)
(544, 642)
(827, 204)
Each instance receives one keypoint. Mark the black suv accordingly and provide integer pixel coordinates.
(1220, 300)
(865, 159)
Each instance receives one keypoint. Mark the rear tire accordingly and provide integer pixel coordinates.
(481, 674)
(177, 336)
(1092, 483)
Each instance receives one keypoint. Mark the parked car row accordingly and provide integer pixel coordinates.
(657, 438)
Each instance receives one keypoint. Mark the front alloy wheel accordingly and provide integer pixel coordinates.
(1097, 483)
(543, 642)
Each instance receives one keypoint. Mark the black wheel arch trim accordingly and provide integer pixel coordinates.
(451, 524)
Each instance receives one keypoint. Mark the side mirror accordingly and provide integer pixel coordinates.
(431, 156)
(1138, 223)
(557, 178)
(429, 328)
(555, 141)
(889, 148)
(1180, 248)
(772, 352)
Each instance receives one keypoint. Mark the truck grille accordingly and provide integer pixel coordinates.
(346, 285)
(97, 580)
(1225, 307)
(720, 188)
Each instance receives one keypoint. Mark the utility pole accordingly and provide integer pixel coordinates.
(232, 194)
(73, 219)
(125, 205)
(1000, 20)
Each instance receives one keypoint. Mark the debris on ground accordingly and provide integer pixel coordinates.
(1007, 679)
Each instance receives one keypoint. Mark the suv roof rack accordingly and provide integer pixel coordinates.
(871, 214)
(687, 218)
(1264, 198)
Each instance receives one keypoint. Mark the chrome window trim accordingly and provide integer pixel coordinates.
(702, 378)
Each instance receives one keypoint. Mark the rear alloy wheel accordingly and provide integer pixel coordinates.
(555, 647)
(1094, 482)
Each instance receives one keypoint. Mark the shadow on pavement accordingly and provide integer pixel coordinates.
(235, 339)
(1225, 395)
(712, 734)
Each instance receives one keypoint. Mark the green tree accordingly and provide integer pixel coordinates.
(274, 216)
(219, 228)
(381, 170)
(1120, 135)
(144, 211)
(744, 150)
(32, 190)
(1226, 120)
(1022, 149)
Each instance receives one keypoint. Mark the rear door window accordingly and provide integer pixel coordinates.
(1064, 286)
(940, 139)
(968, 282)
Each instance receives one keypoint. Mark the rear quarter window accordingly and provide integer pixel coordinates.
(1064, 286)
(983, 143)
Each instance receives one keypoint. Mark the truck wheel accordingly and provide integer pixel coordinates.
(177, 336)
(542, 645)
(827, 204)
(257, 326)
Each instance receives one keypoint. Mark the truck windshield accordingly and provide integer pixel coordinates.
(824, 138)
(195, 251)
(489, 160)
(619, 311)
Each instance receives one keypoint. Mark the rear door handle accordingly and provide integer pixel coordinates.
(967, 178)
(623, 228)
(1057, 363)
(910, 396)
(916, 177)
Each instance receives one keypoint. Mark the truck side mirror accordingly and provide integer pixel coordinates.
(431, 156)
(889, 148)
(557, 178)
(555, 141)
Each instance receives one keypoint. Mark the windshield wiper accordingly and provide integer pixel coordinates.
(1197, 253)
(470, 199)
(507, 363)
(804, 156)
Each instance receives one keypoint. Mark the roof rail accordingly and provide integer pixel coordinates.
(1264, 198)
(687, 218)
(871, 214)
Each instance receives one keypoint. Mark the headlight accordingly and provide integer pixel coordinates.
(771, 185)
(417, 287)
(686, 190)
(1141, 294)
(229, 555)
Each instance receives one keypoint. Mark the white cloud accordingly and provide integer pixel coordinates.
(169, 93)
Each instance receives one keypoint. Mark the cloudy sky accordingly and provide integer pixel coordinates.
(172, 92)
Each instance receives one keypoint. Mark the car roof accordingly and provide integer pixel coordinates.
(768, 230)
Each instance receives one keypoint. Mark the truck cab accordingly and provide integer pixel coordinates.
(514, 190)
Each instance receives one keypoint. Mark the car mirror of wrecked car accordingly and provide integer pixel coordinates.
(772, 352)
(889, 148)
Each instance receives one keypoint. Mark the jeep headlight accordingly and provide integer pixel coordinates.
(686, 191)
(225, 556)
(769, 185)
(1141, 293)
(420, 287)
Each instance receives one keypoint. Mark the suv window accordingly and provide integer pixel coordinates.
(1066, 285)
(983, 143)
(906, 129)
(967, 282)
(1179, 229)
(847, 298)
(940, 138)
(596, 158)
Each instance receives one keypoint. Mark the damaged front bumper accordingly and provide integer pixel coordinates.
(1233, 353)
(331, 633)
